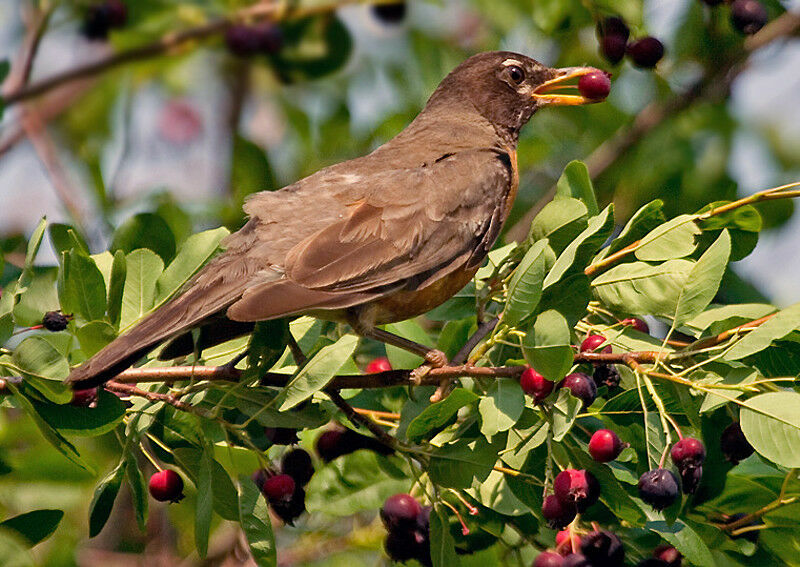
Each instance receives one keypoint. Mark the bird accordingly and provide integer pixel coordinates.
(374, 240)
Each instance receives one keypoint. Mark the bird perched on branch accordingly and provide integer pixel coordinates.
(377, 239)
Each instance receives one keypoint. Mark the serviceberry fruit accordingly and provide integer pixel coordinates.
(578, 487)
(581, 387)
(337, 442)
(595, 86)
(54, 321)
(278, 488)
(289, 509)
(592, 342)
(400, 512)
(646, 52)
(637, 324)
(576, 560)
(603, 549)
(281, 435)
(748, 16)
(380, 364)
(669, 555)
(401, 545)
(688, 451)
(690, 478)
(548, 559)
(558, 513)
(734, 445)
(84, 398)
(535, 385)
(390, 13)
(605, 445)
(613, 48)
(659, 488)
(297, 464)
(166, 486)
(613, 25)
(606, 375)
(104, 16)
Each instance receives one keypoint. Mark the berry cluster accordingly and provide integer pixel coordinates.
(573, 491)
(248, 40)
(408, 525)
(102, 17)
(285, 491)
(340, 441)
(747, 16)
(599, 548)
(614, 36)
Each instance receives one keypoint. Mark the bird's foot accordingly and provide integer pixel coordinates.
(433, 359)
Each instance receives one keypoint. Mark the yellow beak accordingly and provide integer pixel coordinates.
(547, 93)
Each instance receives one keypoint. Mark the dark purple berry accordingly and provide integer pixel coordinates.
(337, 442)
(289, 509)
(166, 486)
(605, 446)
(259, 477)
(559, 514)
(613, 48)
(688, 451)
(595, 86)
(578, 487)
(390, 13)
(690, 477)
(84, 398)
(104, 16)
(401, 545)
(281, 435)
(400, 512)
(669, 555)
(613, 26)
(297, 464)
(606, 375)
(646, 52)
(734, 445)
(242, 40)
(592, 342)
(748, 16)
(548, 559)
(278, 488)
(659, 488)
(535, 385)
(576, 560)
(637, 324)
(603, 549)
(54, 321)
(581, 386)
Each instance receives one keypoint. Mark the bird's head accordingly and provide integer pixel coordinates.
(507, 88)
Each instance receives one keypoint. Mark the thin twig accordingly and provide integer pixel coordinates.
(358, 419)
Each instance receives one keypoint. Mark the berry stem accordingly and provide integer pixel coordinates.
(464, 528)
(473, 511)
(151, 458)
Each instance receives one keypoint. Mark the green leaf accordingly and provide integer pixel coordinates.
(255, 522)
(771, 423)
(643, 289)
(34, 526)
(547, 345)
(439, 414)
(703, 281)
(30, 255)
(145, 230)
(501, 407)
(35, 356)
(673, 239)
(83, 421)
(783, 323)
(565, 410)
(5, 67)
(143, 269)
(313, 48)
(458, 464)
(560, 222)
(94, 336)
(223, 493)
(103, 499)
(205, 501)
(116, 286)
(643, 221)
(685, 540)
(82, 290)
(577, 254)
(139, 490)
(443, 549)
(576, 183)
(410, 329)
(64, 238)
(525, 288)
(316, 374)
(193, 253)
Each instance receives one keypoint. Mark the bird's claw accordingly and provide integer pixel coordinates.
(433, 359)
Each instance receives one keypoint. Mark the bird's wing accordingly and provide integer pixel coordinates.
(399, 228)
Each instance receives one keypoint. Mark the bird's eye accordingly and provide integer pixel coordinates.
(516, 74)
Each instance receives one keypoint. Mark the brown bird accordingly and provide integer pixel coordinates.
(377, 239)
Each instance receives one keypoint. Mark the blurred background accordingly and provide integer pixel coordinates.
(157, 114)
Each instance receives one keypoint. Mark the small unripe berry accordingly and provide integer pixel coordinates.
(166, 486)
(748, 16)
(734, 445)
(380, 364)
(581, 386)
(54, 321)
(646, 52)
(535, 385)
(659, 488)
(548, 559)
(578, 487)
(400, 512)
(558, 513)
(605, 446)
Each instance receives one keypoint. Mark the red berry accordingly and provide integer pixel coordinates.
(380, 364)
(579, 487)
(581, 386)
(637, 324)
(84, 398)
(646, 52)
(548, 559)
(669, 555)
(595, 86)
(688, 451)
(592, 342)
(659, 488)
(557, 512)
(400, 512)
(278, 488)
(748, 16)
(534, 384)
(605, 446)
(166, 486)
(613, 48)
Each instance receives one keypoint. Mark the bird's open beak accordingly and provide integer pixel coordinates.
(557, 91)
